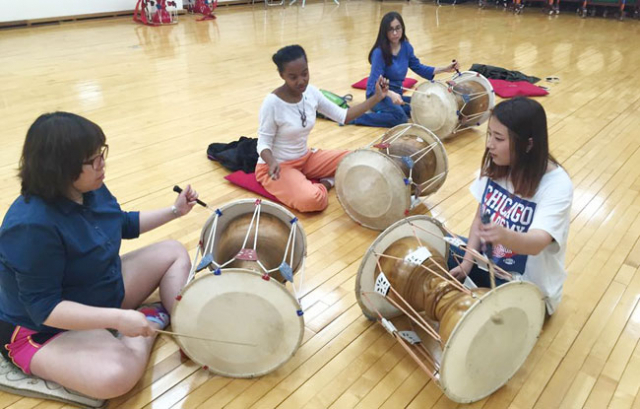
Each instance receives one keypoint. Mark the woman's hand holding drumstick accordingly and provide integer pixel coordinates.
(454, 66)
(382, 90)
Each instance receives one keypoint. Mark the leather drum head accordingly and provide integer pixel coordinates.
(238, 306)
(365, 279)
(371, 188)
(430, 166)
(435, 107)
(492, 341)
(273, 233)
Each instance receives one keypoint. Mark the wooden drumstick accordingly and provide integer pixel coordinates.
(178, 190)
(488, 250)
(486, 219)
(457, 70)
(176, 334)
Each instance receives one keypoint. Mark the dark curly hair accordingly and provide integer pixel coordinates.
(288, 54)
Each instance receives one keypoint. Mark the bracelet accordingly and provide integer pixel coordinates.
(174, 210)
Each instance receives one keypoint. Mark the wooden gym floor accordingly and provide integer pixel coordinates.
(163, 94)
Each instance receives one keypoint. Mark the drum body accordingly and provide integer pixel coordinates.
(258, 322)
(486, 335)
(449, 107)
(236, 228)
(375, 186)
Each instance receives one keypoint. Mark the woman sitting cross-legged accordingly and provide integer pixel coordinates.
(63, 283)
(287, 117)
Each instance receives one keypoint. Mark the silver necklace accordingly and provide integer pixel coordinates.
(303, 113)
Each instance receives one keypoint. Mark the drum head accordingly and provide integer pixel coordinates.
(238, 306)
(371, 189)
(491, 341)
(365, 279)
(272, 240)
(435, 107)
(480, 92)
(429, 171)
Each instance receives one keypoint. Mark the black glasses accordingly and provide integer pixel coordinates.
(99, 159)
(396, 28)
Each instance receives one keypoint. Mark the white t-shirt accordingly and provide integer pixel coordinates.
(549, 210)
(281, 127)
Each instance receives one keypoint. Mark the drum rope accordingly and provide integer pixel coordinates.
(425, 352)
(398, 337)
(429, 183)
(194, 265)
(255, 237)
(246, 236)
(209, 245)
(417, 318)
(472, 116)
(424, 151)
(502, 273)
(255, 219)
(392, 139)
(451, 280)
(415, 357)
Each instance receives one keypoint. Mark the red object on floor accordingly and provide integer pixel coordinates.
(248, 181)
(145, 15)
(510, 89)
(162, 16)
(202, 7)
(362, 84)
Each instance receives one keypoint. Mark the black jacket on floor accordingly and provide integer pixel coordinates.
(497, 73)
(237, 155)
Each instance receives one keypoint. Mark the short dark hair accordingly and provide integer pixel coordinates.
(383, 41)
(288, 54)
(525, 119)
(54, 150)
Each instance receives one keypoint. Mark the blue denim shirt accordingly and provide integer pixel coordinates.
(397, 71)
(50, 252)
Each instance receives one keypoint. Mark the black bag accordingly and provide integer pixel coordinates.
(236, 155)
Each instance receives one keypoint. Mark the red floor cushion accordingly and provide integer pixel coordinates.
(248, 181)
(510, 89)
(362, 84)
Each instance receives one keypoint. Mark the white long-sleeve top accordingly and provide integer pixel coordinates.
(281, 127)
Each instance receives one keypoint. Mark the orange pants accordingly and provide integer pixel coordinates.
(293, 187)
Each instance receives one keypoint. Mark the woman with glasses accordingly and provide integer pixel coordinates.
(63, 284)
(286, 118)
(390, 57)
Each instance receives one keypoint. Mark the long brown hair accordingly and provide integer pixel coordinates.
(383, 41)
(526, 120)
